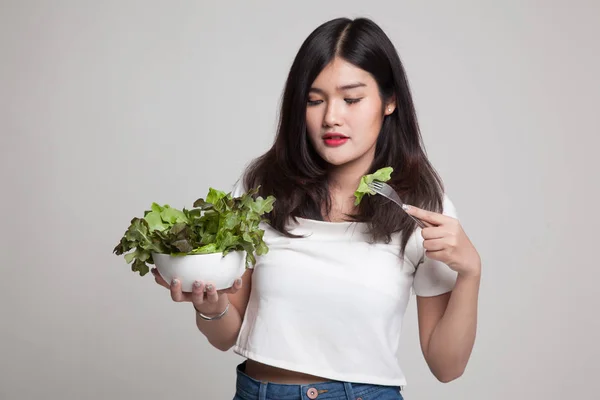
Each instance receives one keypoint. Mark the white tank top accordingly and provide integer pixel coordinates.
(331, 304)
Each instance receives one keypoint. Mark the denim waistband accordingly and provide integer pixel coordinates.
(332, 390)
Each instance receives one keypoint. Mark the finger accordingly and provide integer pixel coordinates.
(198, 293)
(211, 293)
(434, 245)
(158, 278)
(427, 216)
(176, 293)
(439, 255)
(435, 232)
(237, 285)
(424, 224)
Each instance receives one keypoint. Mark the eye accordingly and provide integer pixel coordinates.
(352, 101)
(314, 102)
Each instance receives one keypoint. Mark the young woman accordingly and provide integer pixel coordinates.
(320, 315)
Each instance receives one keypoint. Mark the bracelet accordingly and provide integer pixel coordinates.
(216, 317)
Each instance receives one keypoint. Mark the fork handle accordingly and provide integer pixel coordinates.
(421, 224)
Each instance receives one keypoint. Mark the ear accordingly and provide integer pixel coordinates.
(390, 108)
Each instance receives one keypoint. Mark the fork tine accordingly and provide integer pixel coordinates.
(387, 191)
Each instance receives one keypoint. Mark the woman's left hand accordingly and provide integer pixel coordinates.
(446, 241)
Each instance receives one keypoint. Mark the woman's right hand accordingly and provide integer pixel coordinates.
(209, 302)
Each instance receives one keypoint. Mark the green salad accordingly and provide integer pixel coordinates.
(219, 224)
(381, 175)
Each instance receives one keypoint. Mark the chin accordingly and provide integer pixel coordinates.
(338, 161)
(338, 157)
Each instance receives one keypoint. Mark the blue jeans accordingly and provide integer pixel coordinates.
(251, 389)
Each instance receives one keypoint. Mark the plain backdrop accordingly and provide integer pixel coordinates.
(108, 106)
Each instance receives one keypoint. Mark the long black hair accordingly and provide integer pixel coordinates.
(293, 172)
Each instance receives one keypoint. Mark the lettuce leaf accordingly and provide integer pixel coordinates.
(219, 224)
(381, 175)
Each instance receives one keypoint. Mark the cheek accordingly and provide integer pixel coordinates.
(313, 122)
(368, 120)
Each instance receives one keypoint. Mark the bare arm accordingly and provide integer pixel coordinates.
(221, 333)
(448, 322)
(447, 328)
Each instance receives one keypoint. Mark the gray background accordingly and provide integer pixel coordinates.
(108, 106)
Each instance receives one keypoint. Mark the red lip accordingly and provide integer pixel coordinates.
(334, 135)
(335, 139)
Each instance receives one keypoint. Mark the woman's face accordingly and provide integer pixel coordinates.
(344, 114)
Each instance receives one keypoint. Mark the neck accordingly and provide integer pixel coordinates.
(344, 179)
(343, 182)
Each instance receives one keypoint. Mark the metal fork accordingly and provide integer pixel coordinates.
(386, 190)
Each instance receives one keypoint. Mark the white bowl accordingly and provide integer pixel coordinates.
(220, 271)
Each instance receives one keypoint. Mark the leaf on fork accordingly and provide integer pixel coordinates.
(381, 175)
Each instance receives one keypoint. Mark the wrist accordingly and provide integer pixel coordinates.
(472, 274)
(472, 269)
(212, 317)
(210, 309)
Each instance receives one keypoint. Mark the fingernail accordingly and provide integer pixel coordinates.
(174, 281)
(238, 281)
(197, 284)
(405, 207)
(209, 288)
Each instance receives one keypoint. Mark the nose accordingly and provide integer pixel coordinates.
(332, 116)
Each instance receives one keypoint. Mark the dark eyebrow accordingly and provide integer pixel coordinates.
(340, 88)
